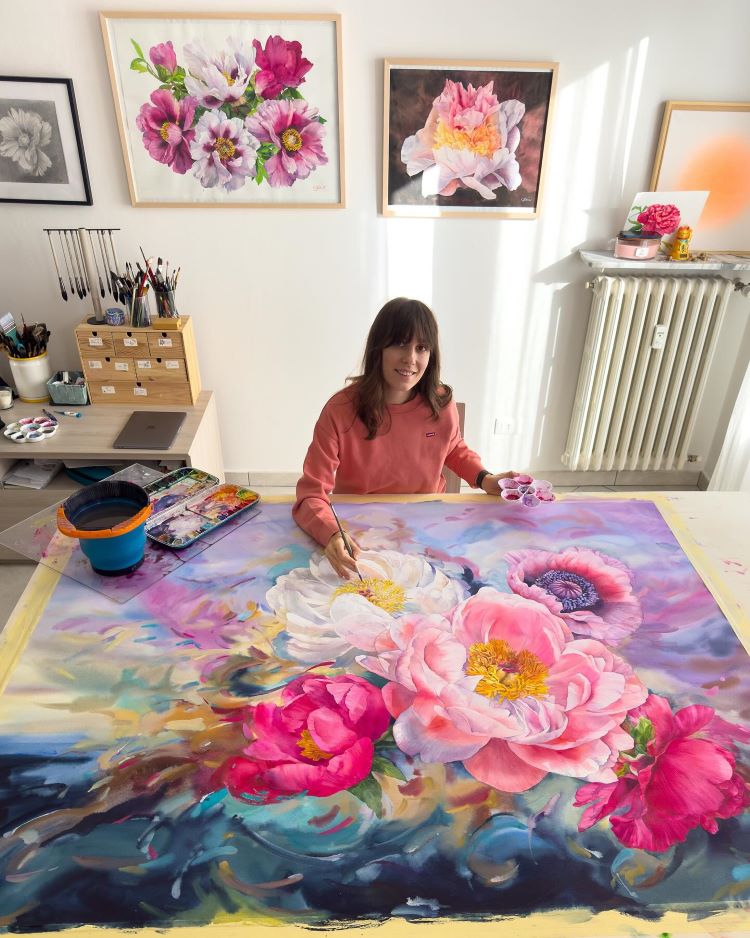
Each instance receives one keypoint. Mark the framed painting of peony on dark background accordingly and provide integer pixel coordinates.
(228, 108)
(465, 138)
(41, 149)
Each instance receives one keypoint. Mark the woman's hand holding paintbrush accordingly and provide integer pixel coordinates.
(342, 551)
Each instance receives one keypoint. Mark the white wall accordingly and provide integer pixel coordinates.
(277, 334)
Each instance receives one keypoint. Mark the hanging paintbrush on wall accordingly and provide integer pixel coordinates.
(90, 263)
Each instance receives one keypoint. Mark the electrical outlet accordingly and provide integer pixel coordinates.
(504, 425)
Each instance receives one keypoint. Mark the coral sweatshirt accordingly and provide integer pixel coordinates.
(405, 458)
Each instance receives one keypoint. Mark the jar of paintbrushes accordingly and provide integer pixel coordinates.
(26, 349)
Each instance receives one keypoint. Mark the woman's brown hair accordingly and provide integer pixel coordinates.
(400, 320)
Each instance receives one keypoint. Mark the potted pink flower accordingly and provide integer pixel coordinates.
(641, 240)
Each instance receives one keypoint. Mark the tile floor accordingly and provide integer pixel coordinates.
(15, 576)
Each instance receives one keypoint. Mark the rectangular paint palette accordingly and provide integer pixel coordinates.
(185, 509)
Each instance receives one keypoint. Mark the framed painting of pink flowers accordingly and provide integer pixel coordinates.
(228, 109)
(465, 138)
(41, 148)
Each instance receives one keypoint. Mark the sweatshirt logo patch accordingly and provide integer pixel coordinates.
(432, 433)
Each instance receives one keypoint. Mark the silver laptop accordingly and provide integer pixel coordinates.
(150, 429)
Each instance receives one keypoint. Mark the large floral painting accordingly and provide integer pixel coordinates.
(462, 139)
(510, 713)
(227, 109)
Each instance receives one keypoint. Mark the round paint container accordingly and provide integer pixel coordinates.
(109, 520)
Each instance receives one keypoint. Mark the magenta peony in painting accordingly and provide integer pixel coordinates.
(228, 110)
(465, 138)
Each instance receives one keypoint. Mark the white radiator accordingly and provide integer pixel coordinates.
(637, 403)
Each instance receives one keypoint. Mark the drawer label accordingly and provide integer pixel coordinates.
(129, 341)
(171, 363)
(94, 363)
(140, 392)
(144, 363)
(96, 341)
(108, 389)
(164, 342)
(121, 366)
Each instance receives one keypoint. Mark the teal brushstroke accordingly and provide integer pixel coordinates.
(299, 557)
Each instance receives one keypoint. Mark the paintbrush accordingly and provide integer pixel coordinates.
(347, 545)
(8, 329)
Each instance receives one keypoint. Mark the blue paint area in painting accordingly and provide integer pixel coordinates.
(130, 822)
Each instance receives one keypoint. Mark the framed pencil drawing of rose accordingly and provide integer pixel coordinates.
(41, 149)
(228, 109)
(465, 139)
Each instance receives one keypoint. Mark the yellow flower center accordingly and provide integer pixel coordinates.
(309, 748)
(291, 140)
(483, 140)
(230, 80)
(506, 674)
(383, 593)
(164, 132)
(225, 148)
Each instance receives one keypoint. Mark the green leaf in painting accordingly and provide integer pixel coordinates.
(322, 120)
(642, 733)
(370, 792)
(260, 171)
(138, 49)
(138, 65)
(265, 150)
(290, 94)
(385, 767)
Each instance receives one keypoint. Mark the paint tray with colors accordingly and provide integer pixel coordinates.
(176, 487)
(182, 524)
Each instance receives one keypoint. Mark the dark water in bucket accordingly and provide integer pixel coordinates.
(104, 514)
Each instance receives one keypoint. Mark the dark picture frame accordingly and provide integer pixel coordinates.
(491, 167)
(41, 148)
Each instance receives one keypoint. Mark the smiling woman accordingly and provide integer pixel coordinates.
(390, 432)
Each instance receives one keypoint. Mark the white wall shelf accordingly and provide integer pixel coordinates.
(605, 260)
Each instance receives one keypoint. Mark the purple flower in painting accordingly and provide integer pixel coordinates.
(164, 55)
(281, 66)
(224, 151)
(293, 127)
(219, 79)
(166, 125)
(592, 592)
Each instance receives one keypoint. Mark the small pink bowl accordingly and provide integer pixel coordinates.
(637, 249)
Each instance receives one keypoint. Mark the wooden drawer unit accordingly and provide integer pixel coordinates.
(94, 342)
(140, 366)
(166, 343)
(166, 369)
(150, 391)
(131, 344)
(108, 368)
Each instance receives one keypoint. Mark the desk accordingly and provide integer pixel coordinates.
(91, 437)
(144, 782)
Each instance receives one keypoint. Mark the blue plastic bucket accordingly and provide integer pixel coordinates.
(109, 520)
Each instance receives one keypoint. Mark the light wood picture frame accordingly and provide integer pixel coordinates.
(466, 139)
(706, 145)
(228, 109)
